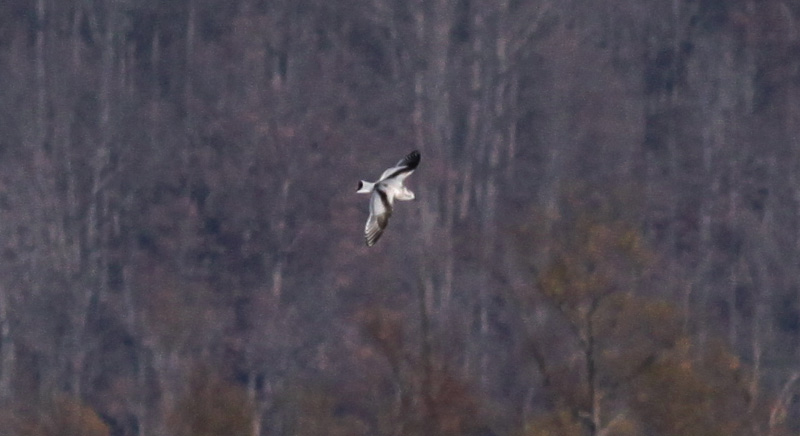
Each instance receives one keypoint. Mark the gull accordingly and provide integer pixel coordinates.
(383, 193)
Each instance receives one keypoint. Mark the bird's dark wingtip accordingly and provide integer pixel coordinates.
(372, 239)
(412, 159)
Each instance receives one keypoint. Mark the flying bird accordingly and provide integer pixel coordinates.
(383, 193)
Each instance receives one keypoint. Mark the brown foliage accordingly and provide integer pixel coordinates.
(60, 416)
(639, 373)
(556, 423)
(432, 399)
(690, 393)
(315, 411)
(211, 406)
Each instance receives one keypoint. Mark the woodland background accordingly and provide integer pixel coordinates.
(606, 237)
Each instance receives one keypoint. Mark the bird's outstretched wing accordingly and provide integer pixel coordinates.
(404, 168)
(380, 209)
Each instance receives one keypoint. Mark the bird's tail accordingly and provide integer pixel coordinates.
(364, 187)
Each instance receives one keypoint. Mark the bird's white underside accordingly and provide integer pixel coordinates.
(382, 195)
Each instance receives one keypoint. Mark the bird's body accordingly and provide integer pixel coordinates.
(383, 193)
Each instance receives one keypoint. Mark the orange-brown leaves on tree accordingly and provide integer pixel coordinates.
(71, 417)
(384, 328)
(590, 258)
(674, 401)
(632, 332)
(563, 422)
(175, 310)
(555, 281)
(454, 406)
(590, 262)
(597, 265)
(428, 396)
(689, 393)
(557, 423)
(61, 416)
(211, 406)
(316, 411)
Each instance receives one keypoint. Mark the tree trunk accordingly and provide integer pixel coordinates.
(8, 350)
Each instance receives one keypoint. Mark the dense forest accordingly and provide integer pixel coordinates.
(605, 240)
